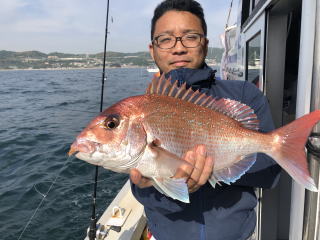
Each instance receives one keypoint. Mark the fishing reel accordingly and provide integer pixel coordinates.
(102, 231)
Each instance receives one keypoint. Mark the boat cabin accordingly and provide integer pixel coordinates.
(275, 45)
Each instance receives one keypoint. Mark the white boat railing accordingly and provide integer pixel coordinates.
(134, 223)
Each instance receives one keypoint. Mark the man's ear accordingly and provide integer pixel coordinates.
(206, 46)
(151, 50)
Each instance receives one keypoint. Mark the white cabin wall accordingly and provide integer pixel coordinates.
(276, 221)
(303, 104)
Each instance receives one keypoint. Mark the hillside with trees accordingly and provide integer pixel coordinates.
(57, 60)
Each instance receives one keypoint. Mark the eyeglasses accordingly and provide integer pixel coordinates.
(190, 40)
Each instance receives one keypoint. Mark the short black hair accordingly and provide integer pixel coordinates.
(191, 6)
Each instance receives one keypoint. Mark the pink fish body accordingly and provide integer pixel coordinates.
(151, 132)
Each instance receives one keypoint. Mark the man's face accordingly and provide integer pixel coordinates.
(178, 23)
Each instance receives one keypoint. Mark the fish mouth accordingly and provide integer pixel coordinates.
(73, 150)
(83, 146)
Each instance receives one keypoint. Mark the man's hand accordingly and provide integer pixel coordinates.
(196, 176)
(199, 174)
(139, 180)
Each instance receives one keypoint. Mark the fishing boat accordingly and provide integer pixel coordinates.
(274, 44)
(153, 69)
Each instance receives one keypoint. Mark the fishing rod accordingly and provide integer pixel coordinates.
(93, 225)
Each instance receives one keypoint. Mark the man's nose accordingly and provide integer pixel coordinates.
(179, 48)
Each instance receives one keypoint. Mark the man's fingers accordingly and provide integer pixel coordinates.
(139, 180)
(200, 158)
(207, 171)
(145, 182)
(185, 170)
(135, 176)
(199, 170)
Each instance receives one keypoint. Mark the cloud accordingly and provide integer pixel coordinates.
(49, 16)
(79, 25)
(10, 6)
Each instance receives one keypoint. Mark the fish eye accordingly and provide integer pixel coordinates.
(111, 122)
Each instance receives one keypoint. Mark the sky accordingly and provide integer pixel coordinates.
(78, 26)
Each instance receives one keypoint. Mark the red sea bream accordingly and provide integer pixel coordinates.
(151, 132)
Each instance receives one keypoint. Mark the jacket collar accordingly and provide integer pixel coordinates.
(195, 78)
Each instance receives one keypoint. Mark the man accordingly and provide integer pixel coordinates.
(179, 47)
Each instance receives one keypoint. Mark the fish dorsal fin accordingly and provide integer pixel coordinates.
(238, 111)
(231, 108)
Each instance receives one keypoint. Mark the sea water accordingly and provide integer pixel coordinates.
(41, 112)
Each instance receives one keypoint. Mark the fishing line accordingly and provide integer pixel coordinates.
(76, 110)
(35, 188)
(93, 228)
(43, 198)
(89, 182)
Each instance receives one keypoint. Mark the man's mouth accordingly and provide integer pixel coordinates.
(180, 63)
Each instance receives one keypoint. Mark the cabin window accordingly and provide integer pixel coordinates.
(253, 61)
(248, 9)
(245, 11)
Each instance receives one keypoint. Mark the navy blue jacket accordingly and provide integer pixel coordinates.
(225, 212)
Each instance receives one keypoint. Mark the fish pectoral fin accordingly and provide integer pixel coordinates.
(213, 181)
(167, 162)
(235, 171)
(176, 188)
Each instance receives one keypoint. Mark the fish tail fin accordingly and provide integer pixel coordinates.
(290, 151)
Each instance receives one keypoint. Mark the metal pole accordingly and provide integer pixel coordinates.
(311, 211)
(230, 8)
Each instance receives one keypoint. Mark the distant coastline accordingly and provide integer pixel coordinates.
(62, 69)
(35, 60)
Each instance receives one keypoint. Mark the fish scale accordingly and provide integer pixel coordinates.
(188, 132)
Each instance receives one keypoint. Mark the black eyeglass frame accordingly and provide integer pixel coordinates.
(155, 40)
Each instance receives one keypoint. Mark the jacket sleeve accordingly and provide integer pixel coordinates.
(265, 172)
